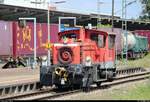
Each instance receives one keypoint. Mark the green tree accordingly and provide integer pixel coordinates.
(146, 10)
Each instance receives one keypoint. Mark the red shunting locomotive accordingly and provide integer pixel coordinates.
(82, 57)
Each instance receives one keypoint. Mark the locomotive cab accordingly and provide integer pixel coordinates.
(82, 57)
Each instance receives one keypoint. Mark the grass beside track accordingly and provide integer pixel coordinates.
(130, 91)
(141, 62)
(139, 92)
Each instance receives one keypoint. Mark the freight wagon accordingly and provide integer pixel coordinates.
(16, 41)
(137, 45)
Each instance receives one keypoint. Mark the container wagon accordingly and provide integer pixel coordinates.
(16, 41)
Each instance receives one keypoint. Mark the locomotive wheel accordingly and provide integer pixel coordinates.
(59, 87)
(40, 86)
(138, 55)
(98, 84)
(77, 86)
(110, 77)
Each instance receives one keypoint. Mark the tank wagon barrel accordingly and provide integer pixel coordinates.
(131, 40)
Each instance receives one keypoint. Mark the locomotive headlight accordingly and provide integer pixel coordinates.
(44, 58)
(78, 69)
(44, 61)
(88, 61)
(65, 40)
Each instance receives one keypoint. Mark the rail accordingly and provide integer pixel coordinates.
(123, 76)
(117, 81)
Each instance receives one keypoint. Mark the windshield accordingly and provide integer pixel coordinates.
(111, 40)
(69, 36)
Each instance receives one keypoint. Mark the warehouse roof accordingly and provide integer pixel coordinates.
(9, 12)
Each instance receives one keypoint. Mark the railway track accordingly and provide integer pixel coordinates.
(123, 76)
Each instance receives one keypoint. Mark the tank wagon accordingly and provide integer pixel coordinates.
(82, 57)
(137, 45)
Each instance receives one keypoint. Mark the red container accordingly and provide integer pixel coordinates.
(5, 38)
(23, 38)
(145, 33)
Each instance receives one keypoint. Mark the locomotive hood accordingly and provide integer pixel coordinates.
(66, 44)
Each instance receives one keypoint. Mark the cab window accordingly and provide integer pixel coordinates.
(69, 36)
(111, 41)
(94, 37)
(99, 39)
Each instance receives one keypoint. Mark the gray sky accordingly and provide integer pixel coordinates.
(87, 6)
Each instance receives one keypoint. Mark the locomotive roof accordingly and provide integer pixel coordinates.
(109, 33)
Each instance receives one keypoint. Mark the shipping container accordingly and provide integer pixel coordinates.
(23, 38)
(18, 41)
(5, 38)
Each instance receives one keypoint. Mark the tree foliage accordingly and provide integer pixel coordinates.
(146, 9)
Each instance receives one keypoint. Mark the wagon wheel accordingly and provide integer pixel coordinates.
(133, 56)
(136, 56)
(142, 54)
(77, 86)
